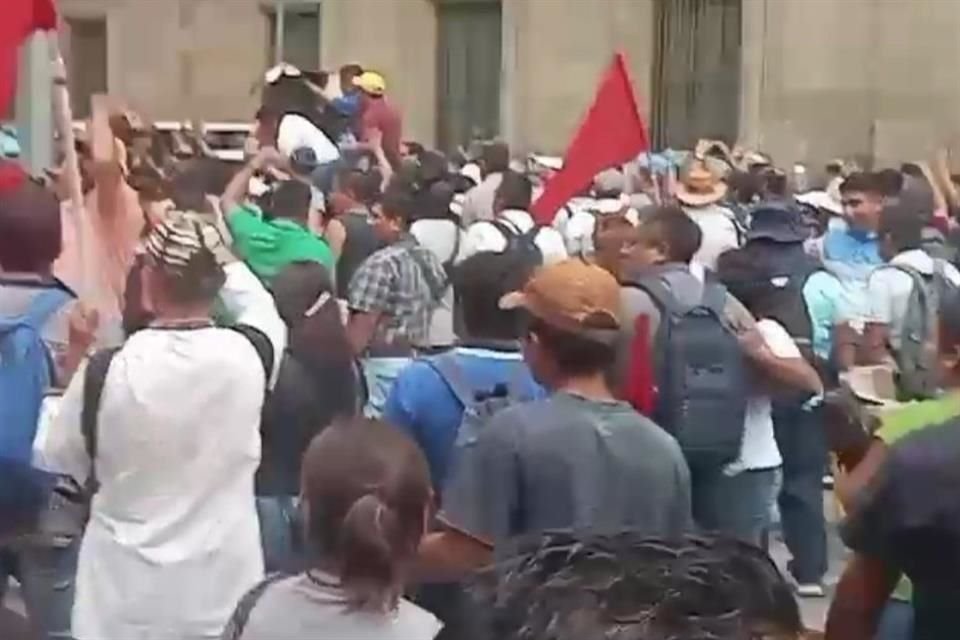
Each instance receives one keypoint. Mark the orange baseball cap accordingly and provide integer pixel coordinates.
(572, 296)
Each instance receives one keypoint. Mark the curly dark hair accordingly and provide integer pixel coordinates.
(630, 587)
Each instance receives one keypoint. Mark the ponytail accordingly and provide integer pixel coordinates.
(369, 557)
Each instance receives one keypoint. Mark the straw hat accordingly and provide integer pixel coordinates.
(699, 186)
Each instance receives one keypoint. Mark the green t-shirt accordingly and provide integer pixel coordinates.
(898, 423)
(267, 246)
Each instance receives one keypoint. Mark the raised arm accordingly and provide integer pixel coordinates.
(249, 303)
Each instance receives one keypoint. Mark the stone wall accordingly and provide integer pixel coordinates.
(875, 78)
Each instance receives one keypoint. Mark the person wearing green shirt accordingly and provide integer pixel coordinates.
(270, 240)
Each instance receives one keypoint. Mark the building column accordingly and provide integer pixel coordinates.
(511, 18)
(33, 105)
(752, 41)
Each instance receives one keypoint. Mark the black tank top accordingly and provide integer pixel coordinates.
(360, 242)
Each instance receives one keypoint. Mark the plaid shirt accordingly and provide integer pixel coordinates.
(404, 282)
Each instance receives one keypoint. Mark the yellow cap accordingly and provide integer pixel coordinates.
(371, 82)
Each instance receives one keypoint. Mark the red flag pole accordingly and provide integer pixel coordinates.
(611, 133)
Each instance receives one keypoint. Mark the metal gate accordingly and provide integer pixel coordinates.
(468, 71)
(696, 80)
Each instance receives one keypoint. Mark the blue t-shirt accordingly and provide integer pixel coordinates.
(425, 407)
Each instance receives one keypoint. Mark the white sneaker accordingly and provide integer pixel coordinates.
(811, 590)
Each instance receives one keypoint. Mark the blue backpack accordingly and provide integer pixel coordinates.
(26, 372)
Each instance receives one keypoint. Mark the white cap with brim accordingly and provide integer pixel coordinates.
(820, 200)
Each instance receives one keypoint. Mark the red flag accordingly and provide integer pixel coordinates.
(18, 19)
(611, 133)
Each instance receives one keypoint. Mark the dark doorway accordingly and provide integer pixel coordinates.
(468, 71)
(87, 62)
(696, 79)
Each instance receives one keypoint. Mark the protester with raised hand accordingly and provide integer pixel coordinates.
(101, 233)
(269, 240)
(366, 500)
(174, 511)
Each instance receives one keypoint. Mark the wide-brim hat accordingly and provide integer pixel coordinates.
(874, 385)
(699, 186)
(777, 222)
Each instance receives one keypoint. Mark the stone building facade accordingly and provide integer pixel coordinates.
(803, 79)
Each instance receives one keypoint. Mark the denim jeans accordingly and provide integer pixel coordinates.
(803, 446)
(380, 374)
(738, 506)
(281, 534)
(896, 622)
(47, 576)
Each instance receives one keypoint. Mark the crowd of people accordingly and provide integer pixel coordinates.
(355, 389)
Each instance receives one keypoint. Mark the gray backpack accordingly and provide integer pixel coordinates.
(917, 357)
(701, 374)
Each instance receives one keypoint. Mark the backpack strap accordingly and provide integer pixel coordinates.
(714, 297)
(437, 288)
(261, 343)
(94, 380)
(449, 263)
(919, 281)
(452, 374)
(241, 615)
(658, 290)
(44, 305)
(510, 234)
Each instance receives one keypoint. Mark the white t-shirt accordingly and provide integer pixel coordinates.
(719, 233)
(295, 132)
(579, 230)
(478, 201)
(303, 606)
(759, 448)
(889, 288)
(440, 237)
(485, 236)
(173, 539)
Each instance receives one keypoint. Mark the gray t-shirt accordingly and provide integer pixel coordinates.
(303, 606)
(567, 462)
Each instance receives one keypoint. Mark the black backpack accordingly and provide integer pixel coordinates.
(521, 244)
(701, 375)
(769, 279)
